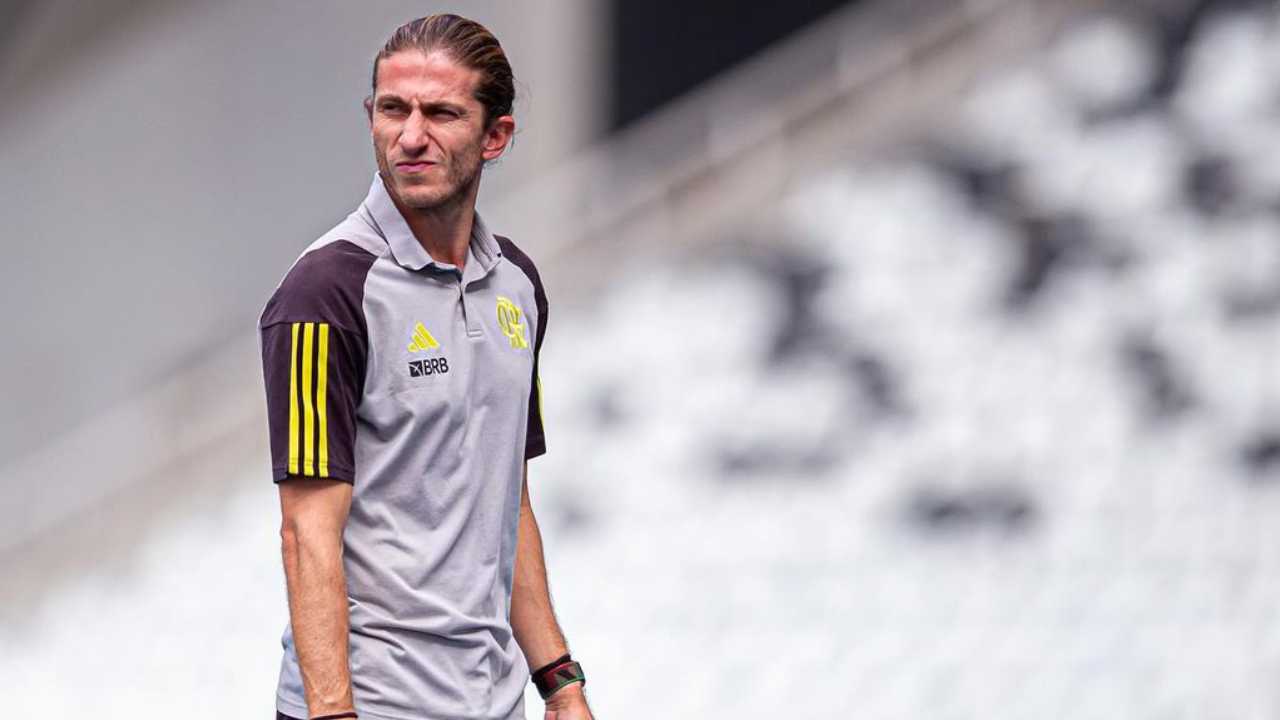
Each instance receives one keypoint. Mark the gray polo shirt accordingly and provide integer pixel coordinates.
(416, 382)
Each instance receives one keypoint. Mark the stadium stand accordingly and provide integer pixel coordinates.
(981, 420)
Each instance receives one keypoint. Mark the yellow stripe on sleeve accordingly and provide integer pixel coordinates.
(322, 376)
(293, 401)
(308, 412)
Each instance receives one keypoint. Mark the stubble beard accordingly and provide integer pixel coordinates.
(463, 173)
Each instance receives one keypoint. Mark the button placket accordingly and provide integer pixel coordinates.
(469, 318)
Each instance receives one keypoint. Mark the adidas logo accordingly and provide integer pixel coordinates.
(422, 339)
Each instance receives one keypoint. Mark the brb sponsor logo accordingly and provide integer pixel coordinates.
(420, 368)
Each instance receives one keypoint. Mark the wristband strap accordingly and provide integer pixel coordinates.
(336, 716)
(562, 659)
(551, 678)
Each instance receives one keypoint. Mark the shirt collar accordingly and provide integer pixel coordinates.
(483, 252)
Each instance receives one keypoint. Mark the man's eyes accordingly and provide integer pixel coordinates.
(396, 109)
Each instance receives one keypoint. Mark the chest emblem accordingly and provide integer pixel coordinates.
(511, 321)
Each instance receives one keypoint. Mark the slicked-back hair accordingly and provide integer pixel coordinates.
(467, 42)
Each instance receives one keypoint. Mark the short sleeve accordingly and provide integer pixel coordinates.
(313, 339)
(535, 442)
(313, 372)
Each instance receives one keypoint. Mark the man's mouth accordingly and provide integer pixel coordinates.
(414, 167)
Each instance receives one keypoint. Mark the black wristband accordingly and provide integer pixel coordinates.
(562, 659)
(551, 677)
(336, 716)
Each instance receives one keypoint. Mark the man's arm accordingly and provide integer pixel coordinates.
(313, 513)
(532, 619)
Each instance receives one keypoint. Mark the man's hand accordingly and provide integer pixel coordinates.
(568, 703)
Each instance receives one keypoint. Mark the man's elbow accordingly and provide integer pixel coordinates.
(288, 537)
(309, 543)
(313, 514)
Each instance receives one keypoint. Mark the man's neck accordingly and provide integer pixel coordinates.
(444, 232)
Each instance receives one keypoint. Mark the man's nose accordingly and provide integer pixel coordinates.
(413, 137)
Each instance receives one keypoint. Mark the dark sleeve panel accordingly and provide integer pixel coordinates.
(314, 346)
(326, 284)
(314, 374)
(535, 439)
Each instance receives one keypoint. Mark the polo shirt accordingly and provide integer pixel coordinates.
(417, 382)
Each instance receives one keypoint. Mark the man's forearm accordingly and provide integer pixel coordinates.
(318, 615)
(532, 618)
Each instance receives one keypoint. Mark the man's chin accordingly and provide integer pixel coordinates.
(419, 196)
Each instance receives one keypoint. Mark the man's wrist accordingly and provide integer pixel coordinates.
(567, 695)
(558, 674)
(551, 665)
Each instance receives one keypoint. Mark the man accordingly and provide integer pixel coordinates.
(400, 356)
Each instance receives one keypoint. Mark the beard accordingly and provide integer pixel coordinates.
(461, 174)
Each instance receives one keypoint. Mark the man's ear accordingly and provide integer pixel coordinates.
(498, 137)
(368, 107)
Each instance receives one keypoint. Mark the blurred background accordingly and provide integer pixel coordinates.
(906, 359)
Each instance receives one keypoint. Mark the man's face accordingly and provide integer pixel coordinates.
(429, 133)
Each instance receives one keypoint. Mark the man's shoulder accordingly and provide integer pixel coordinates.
(325, 282)
(356, 231)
